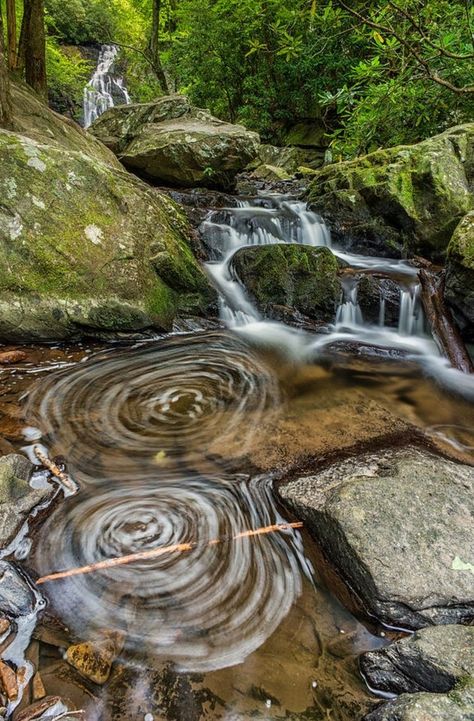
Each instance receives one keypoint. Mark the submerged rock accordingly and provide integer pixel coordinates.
(458, 705)
(94, 660)
(397, 525)
(88, 249)
(285, 279)
(398, 199)
(460, 275)
(433, 659)
(171, 141)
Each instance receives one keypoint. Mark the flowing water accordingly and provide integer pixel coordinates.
(178, 442)
(105, 89)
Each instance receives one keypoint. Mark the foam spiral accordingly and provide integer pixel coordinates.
(204, 608)
(174, 398)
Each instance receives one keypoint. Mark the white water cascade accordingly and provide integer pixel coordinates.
(278, 219)
(105, 89)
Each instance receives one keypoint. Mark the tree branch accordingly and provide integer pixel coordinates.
(464, 90)
(425, 38)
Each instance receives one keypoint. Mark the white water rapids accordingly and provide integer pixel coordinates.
(278, 219)
(105, 89)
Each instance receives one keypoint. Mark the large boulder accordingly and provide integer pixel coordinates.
(287, 158)
(402, 199)
(287, 280)
(86, 248)
(433, 659)
(458, 705)
(397, 525)
(460, 275)
(170, 141)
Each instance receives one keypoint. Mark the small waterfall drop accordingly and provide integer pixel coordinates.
(105, 89)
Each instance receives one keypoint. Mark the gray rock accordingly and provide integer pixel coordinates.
(433, 659)
(371, 291)
(460, 275)
(17, 499)
(406, 198)
(171, 141)
(17, 598)
(397, 525)
(458, 705)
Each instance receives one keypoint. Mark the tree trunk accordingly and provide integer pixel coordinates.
(154, 47)
(35, 47)
(441, 321)
(11, 33)
(25, 23)
(5, 98)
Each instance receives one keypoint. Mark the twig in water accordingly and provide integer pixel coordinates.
(155, 552)
(66, 482)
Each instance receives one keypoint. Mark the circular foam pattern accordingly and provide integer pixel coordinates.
(171, 399)
(204, 606)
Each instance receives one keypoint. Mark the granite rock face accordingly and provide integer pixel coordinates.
(397, 525)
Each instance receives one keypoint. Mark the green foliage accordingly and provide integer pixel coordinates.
(67, 75)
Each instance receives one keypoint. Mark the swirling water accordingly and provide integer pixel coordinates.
(175, 442)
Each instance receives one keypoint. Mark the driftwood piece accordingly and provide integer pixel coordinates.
(66, 482)
(442, 323)
(155, 552)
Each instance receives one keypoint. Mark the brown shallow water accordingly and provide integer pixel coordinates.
(178, 441)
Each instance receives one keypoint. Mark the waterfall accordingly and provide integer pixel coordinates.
(104, 90)
(278, 219)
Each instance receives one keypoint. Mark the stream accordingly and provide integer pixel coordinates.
(179, 442)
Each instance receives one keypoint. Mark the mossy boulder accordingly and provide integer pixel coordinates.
(289, 281)
(460, 275)
(403, 200)
(170, 141)
(271, 173)
(288, 158)
(85, 248)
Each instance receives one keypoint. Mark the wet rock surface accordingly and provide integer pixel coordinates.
(17, 499)
(375, 294)
(460, 275)
(433, 659)
(402, 198)
(171, 141)
(397, 525)
(290, 278)
(458, 705)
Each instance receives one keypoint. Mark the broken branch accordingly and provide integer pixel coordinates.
(156, 552)
(66, 482)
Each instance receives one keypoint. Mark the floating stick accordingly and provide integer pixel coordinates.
(64, 479)
(155, 552)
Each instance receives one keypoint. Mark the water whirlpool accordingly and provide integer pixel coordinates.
(176, 399)
(204, 608)
(118, 419)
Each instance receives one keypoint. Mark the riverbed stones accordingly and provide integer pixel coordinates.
(171, 141)
(87, 249)
(435, 658)
(288, 279)
(458, 705)
(402, 199)
(94, 659)
(397, 525)
(460, 275)
(17, 499)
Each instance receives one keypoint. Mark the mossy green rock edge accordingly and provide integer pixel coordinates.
(86, 248)
(460, 275)
(286, 276)
(404, 200)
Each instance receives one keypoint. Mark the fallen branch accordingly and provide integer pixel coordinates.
(156, 552)
(66, 482)
(442, 322)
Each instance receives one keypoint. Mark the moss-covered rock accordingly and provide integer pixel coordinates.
(271, 173)
(170, 141)
(460, 275)
(289, 158)
(406, 199)
(87, 248)
(290, 279)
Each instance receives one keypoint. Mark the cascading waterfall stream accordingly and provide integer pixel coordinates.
(105, 89)
(278, 219)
